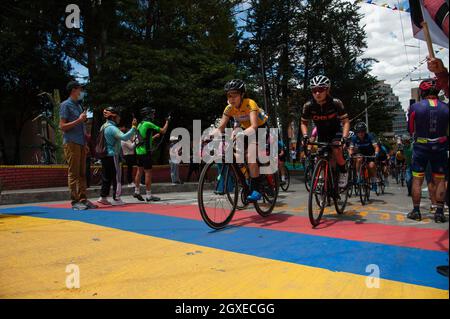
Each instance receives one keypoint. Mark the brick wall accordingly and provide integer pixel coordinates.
(26, 177)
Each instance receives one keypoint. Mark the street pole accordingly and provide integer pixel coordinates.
(367, 113)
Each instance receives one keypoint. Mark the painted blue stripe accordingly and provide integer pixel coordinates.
(409, 265)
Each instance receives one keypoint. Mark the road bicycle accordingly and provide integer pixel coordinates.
(230, 188)
(363, 178)
(324, 185)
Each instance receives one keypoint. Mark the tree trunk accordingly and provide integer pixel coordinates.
(17, 145)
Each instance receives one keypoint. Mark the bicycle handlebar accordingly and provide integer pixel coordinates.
(325, 144)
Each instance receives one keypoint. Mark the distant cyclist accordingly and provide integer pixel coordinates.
(363, 143)
(331, 120)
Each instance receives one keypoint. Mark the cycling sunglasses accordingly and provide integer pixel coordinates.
(319, 90)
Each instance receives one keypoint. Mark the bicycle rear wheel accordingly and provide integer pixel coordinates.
(217, 204)
(285, 186)
(318, 193)
(270, 188)
(340, 199)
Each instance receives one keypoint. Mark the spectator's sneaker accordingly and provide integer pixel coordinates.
(343, 180)
(282, 183)
(415, 215)
(104, 201)
(439, 217)
(89, 204)
(79, 206)
(254, 197)
(152, 199)
(433, 209)
(139, 197)
(118, 202)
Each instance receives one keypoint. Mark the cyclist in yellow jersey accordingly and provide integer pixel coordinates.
(400, 156)
(241, 114)
(250, 117)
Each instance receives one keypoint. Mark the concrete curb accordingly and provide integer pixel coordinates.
(62, 194)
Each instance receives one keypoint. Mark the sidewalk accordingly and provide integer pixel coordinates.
(24, 196)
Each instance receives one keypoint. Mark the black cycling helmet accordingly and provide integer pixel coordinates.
(111, 111)
(428, 88)
(147, 112)
(360, 127)
(235, 85)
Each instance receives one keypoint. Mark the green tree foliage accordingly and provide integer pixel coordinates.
(29, 64)
(176, 56)
(289, 42)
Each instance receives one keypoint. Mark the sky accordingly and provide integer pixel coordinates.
(387, 45)
(390, 41)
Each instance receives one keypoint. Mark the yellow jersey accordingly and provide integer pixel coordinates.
(242, 114)
(400, 156)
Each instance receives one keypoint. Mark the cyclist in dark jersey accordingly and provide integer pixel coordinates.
(363, 143)
(428, 123)
(331, 120)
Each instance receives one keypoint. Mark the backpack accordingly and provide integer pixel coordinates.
(138, 139)
(100, 146)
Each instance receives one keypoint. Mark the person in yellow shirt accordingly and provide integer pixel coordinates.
(250, 117)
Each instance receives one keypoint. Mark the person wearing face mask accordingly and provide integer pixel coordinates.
(72, 123)
(111, 171)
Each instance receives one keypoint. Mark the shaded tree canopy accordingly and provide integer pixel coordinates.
(177, 55)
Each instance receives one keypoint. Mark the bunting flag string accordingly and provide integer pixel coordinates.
(403, 7)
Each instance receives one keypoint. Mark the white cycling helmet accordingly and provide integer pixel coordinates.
(319, 81)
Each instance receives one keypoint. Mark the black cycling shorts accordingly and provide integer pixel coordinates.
(330, 138)
(144, 161)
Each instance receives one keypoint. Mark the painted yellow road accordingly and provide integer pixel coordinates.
(118, 264)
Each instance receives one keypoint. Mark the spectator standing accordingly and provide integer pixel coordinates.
(144, 152)
(174, 166)
(111, 172)
(72, 119)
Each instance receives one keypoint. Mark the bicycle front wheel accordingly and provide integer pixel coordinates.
(318, 193)
(270, 188)
(217, 194)
(362, 186)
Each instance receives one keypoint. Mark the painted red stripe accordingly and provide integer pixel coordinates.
(405, 236)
